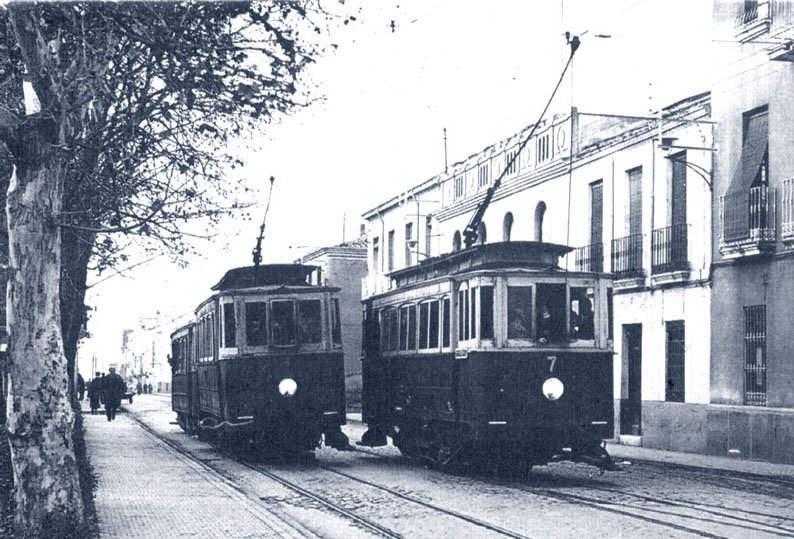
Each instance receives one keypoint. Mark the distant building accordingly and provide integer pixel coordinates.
(344, 266)
(630, 205)
(752, 370)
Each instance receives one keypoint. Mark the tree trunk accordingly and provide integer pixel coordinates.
(76, 249)
(39, 415)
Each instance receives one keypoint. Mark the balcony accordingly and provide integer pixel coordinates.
(787, 213)
(748, 222)
(669, 253)
(590, 257)
(753, 21)
(627, 260)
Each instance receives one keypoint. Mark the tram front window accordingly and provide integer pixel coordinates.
(519, 307)
(309, 328)
(550, 312)
(256, 323)
(582, 326)
(283, 320)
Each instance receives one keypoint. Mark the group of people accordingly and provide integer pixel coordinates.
(143, 388)
(107, 389)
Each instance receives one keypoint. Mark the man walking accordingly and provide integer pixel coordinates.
(95, 392)
(114, 387)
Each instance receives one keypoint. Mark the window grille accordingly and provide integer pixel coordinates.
(459, 187)
(676, 373)
(755, 355)
(484, 176)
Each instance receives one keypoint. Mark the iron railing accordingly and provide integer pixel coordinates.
(748, 215)
(627, 255)
(590, 257)
(755, 355)
(787, 210)
(669, 249)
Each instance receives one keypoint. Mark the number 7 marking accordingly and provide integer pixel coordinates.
(552, 361)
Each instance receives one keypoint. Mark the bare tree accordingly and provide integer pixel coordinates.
(128, 112)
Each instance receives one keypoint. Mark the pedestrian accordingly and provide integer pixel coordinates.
(149, 388)
(138, 388)
(95, 392)
(80, 387)
(113, 388)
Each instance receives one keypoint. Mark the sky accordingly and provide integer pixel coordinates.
(482, 70)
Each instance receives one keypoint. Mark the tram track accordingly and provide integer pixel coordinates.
(337, 508)
(367, 524)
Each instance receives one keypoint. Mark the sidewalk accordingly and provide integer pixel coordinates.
(691, 460)
(147, 489)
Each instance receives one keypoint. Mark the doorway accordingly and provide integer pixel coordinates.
(631, 390)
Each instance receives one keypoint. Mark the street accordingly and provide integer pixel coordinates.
(376, 492)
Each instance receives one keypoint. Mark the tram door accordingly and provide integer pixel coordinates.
(631, 392)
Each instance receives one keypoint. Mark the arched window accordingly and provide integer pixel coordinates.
(482, 234)
(456, 241)
(540, 210)
(507, 226)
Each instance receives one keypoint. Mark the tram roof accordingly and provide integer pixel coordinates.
(514, 254)
(265, 275)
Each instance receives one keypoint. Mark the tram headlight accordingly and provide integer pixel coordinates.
(553, 389)
(287, 387)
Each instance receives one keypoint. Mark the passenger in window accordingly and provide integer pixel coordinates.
(551, 324)
(582, 322)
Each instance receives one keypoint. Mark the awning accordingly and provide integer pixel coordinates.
(736, 209)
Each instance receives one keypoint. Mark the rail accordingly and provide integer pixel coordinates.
(627, 254)
(669, 249)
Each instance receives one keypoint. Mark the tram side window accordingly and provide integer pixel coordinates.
(550, 312)
(519, 309)
(309, 322)
(256, 323)
(336, 322)
(424, 319)
(581, 308)
(486, 312)
(463, 315)
(393, 329)
(384, 329)
(408, 327)
(446, 325)
(229, 326)
(433, 330)
(412, 328)
(283, 321)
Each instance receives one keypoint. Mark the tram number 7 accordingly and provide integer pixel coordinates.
(552, 360)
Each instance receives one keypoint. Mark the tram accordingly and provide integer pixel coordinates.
(493, 352)
(262, 362)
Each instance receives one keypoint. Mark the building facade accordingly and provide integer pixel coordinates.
(630, 202)
(344, 266)
(752, 371)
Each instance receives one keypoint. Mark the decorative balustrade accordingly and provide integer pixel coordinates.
(590, 257)
(748, 221)
(787, 211)
(669, 249)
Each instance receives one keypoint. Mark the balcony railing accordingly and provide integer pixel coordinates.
(590, 257)
(747, 16)
(627, 255)
(748, 221)
(753, 21)
(787, 211)
(669, 249)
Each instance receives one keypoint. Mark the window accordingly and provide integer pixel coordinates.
(456, 241)
(428, 325)
(394, 330)
(519, 309)
(390, 259)
(543, 152)
(483, 175)
(408, 327)
(229, 326)
(409, 236)
(446, 327)
(283, 322)
(482, 234)
(507, 226)
(428, 235)
(463, 315)
(550, 312)
(459, 187)
(256, 323)
(486, 312)
(309, 322)
(635, 201)
(596, 213)
(581, 313)
(336, 322)
(675, 361)
(375, 254)
(610, 330)
(755, 355)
